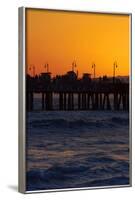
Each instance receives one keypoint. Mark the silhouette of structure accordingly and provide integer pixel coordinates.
(114, 68)
(91, 94)
(94, 69)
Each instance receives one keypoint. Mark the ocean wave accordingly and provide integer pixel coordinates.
(120, 120)
(98, 150)
(66, 123)
(59, 177)
(54, 177)
(112, 181)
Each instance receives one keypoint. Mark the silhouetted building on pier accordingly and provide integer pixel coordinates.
(71, 75)
(46, 76)
(86, 77)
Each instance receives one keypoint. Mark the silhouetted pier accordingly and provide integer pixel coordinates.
(102, 97)
(77, 94)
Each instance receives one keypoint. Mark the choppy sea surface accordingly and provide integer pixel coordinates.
(74, 149)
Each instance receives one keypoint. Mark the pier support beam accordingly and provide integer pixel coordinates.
(100, 101)
(65, 101)
(86, 100)
(31, 101)
(43, 100)
(79, 100)
(49, 100)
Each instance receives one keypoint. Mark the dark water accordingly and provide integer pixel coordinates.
(71, 149)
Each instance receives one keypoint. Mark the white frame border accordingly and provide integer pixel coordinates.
(22, 103)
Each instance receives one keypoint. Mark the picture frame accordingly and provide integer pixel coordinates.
(122, 157)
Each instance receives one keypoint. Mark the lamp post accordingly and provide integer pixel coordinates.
(73, 65)
(114, 68)
(94, 69)
(47, 67)
(32, 67)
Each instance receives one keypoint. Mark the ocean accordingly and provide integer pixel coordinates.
(75, 149)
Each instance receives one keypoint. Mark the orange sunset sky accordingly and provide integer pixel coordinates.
(59, 38)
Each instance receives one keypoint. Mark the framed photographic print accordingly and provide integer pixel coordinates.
(74, 100)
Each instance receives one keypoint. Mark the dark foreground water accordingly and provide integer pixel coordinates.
(71, 149)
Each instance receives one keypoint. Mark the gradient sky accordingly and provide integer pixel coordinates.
(59, 38)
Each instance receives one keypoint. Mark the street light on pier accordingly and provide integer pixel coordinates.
(94, 69)
(114, 68)
(46, 66)
(32, 67)
(73, 65)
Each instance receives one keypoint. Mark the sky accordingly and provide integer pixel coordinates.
(59, 38)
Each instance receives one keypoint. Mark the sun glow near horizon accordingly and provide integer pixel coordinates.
(58, 38)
